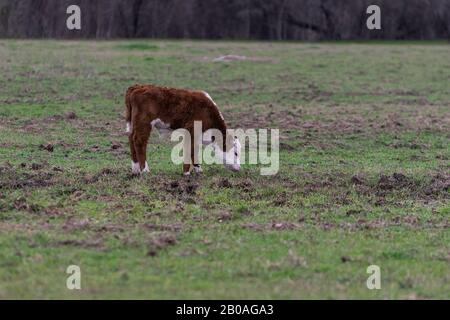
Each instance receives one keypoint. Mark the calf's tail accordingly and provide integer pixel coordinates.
(128, 108)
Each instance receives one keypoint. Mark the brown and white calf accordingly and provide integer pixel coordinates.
(168, 109)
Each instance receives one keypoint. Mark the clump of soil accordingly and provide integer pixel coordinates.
(358, 180)
(224, 216)
(439, 183)
(353, 212)
(36, 166)
(47, 147)
(163, 227)
(160, 242)
(22, 204)
(285, 146)
(246, 185)
(116, 145)
(395, 181)
(278, 226)
(71, 224)
(345, 259)
(224, 183)
(12, 180)
(94, 148)
(182, 187)
(92, 178)
(71, 115)
(280, 199)
(87, 243)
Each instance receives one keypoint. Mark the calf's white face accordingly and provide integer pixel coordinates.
(232, 158)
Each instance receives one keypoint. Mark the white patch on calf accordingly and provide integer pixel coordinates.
(209, 97)
(135, 167)
(162, 127)
(198, 169)
(231, 159)
(129, 127)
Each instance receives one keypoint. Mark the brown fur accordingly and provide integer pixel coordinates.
(177, 107)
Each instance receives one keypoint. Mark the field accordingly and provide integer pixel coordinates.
(364, 173)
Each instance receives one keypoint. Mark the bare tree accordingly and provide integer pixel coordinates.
(232, 19)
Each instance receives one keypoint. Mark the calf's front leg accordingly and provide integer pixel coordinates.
(194, 158)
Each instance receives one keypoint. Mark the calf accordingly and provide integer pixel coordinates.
(167, 109)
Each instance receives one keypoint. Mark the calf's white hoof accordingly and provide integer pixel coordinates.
(135, 168)
(198, 169)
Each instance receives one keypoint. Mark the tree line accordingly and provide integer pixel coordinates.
(227, 19)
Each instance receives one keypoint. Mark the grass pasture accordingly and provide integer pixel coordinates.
(364, 173)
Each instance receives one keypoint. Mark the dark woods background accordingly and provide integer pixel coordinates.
(227, 19)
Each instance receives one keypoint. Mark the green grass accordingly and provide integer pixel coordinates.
(364, 173)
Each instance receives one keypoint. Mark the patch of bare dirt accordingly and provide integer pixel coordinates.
(116, 145)
(340, 119)
(246, 185)
(160, 241)
(224, 216)
(395, 181)
(404, 221)
(27, 180)
(47, 147)
(92, 178)
(224, 183)
(272, 226)
(358, 180)
(440, 183)
(175, 227)
(41, 124)
(182, 188)
(74, 224)
(85, 243)
(21, 203)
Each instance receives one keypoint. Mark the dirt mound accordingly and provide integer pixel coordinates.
(38, 179)
(395, 181)
(180, 187)
(439, 184)
(159, 242)
(47, 147)
(224, 183)
(272, 226)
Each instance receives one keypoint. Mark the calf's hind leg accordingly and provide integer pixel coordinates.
(134, 160)
(139, 139)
